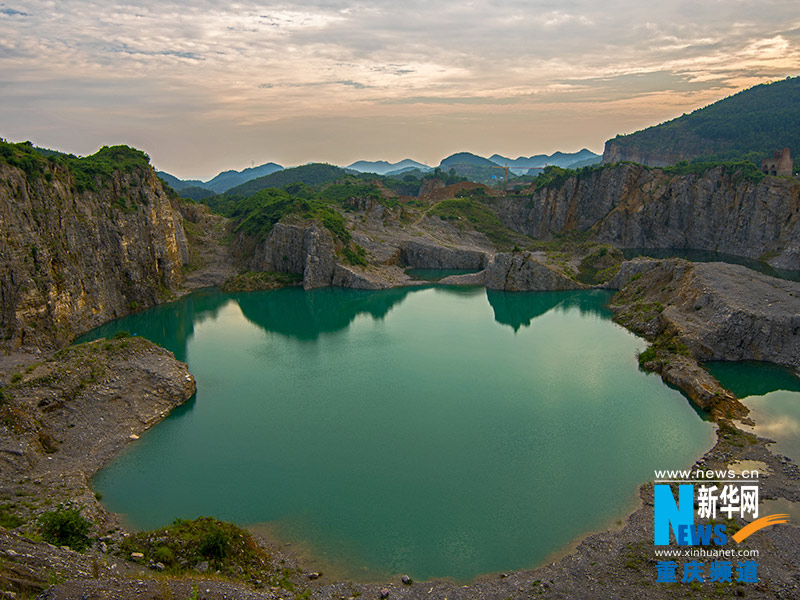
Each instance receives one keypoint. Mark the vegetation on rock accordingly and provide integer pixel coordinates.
(205, 544)
(88, 173)
(468, 212)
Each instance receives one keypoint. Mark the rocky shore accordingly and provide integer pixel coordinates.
(65, 414)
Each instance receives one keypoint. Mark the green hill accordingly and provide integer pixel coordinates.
(749, 125)
(473, 167)
(87, 173)
(313, 174)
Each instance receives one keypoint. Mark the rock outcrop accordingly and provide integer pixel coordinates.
(521, 271)
(719, 311)
(71, 260)
(615, 152)
(631, 206)
(422, 255)
(308, 250)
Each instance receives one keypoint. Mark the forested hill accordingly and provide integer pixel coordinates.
(749, 125)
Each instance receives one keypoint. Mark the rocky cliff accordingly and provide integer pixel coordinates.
(71, 260)
(722, 209)
(428, 255)
(615, 152)
(308, 250)
(522, 272)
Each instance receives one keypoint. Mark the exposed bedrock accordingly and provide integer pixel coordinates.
(422, 255)
(720, 311)
(521, 271)
(632, 206)
(308, 250)
(71, 260)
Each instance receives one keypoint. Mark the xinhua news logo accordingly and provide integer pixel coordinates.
(709, 549)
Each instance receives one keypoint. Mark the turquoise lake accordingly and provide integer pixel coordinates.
(434, 431)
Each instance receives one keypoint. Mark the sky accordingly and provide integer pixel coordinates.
(207, 86)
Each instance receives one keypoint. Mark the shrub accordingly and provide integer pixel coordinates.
(65, 527)
(646, 356)
(216, 544)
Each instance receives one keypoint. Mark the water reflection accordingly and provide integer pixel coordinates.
(305, 315)
(171, 324)
(518, 309)
(772, 393)
(753, 378)
(366, 444)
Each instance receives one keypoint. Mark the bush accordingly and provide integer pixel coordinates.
(216, 544)
(65, 527)
(646, 356)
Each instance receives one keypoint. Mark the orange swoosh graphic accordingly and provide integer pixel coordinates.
(751, 528)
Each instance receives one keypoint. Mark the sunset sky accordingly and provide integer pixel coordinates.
(205, 86)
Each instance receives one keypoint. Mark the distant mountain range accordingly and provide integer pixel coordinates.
(382, 167)
(486, 170)
(749, 125)
(222, 182)
(311, 174)
(475, 167)
(539, 161)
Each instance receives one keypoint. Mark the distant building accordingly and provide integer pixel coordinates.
(780, 163)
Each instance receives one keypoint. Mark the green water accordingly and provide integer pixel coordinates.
(772, 393)
(429, 431)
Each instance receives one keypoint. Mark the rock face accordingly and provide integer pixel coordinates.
(615, 152)
(631, 206)
(421, 255)
(70, 261)
(628, 270)
(720, 311)
(520, 271)
(307, 250)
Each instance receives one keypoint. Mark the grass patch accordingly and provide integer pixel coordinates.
(600, 265)
(470, 212)
(661, 349)
(9, 519)
(185, 544)
(355, 255)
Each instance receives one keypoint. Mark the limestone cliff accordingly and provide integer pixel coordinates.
(615, 152)
(429, 255)
(631, 206)
(308, 250)
(522, 272)
(71, 260)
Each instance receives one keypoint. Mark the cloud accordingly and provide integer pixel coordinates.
(251, 65)
(12, 13)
